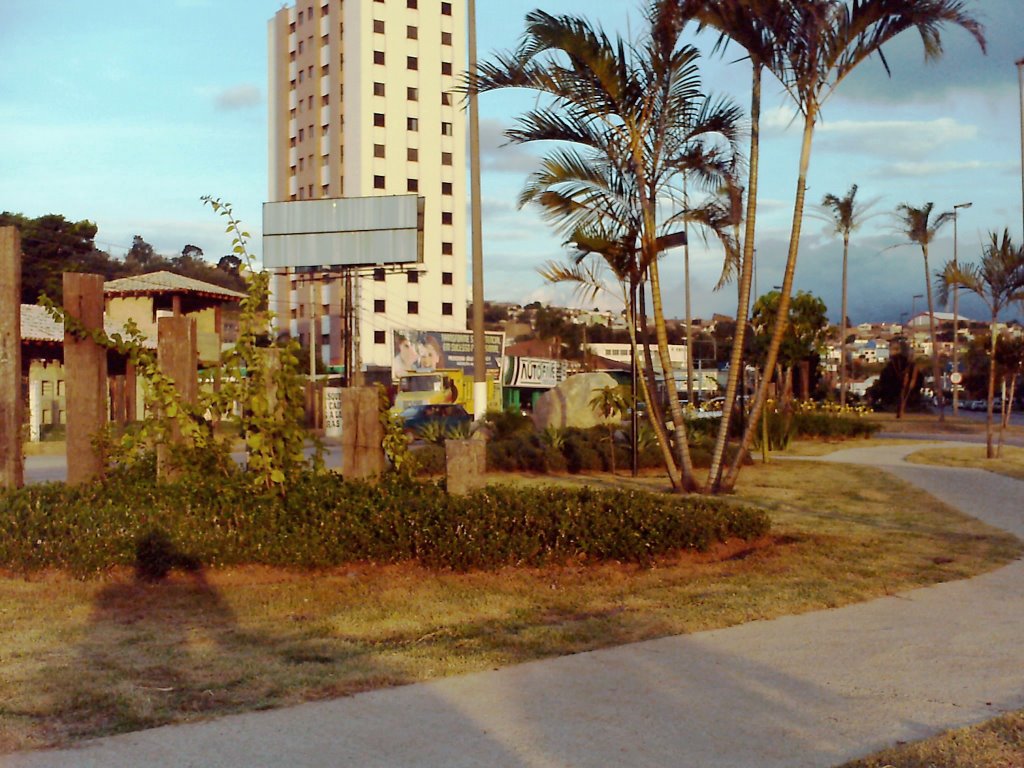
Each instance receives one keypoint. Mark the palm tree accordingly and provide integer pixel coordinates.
(609, 402)
(915, 224)
(626, 116)
(845, 215)
(998, 281)
(823, 41)
(755, 26)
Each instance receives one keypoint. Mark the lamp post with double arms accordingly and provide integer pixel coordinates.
(956, 308)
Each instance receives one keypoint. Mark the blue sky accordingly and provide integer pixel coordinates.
(126, 113)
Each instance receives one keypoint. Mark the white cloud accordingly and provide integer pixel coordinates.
(896, 138)
(239, 97)
(912, 169)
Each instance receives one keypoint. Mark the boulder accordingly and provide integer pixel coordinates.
(568, 404)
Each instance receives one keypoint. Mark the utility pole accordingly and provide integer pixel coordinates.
(956, 310)
(479, 368)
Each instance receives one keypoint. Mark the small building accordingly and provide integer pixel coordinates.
(146, 298)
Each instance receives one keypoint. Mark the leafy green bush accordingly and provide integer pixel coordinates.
(501, 425)
(322, 521)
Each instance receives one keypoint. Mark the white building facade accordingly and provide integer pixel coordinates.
(362, 102)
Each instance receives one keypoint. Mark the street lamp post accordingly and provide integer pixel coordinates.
(1020, 85)
(956, 308)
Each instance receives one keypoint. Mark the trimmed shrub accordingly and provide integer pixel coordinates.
(323, 521)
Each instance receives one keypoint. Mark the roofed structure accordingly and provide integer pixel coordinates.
(165, 282)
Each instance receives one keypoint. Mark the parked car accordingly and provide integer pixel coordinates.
(448, 415)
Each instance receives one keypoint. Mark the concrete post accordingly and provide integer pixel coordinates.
(362, 451)
(177, 354)
(465, 465)
(85, 364)
(12, 474)
(35, 410)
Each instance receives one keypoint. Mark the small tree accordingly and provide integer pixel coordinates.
(607, 403)
(998, 281)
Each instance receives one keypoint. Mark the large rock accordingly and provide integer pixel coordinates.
(568, 404)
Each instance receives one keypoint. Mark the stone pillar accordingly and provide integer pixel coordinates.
(362, 451)
(12, 468)
(177, 355)
(465, 465)
(85, 364)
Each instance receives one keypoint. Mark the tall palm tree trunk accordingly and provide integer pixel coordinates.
(989, 450)
(735, 379)
(936, 369)
(782, 315)
(678, 423)
(647, 384)
(842, 329)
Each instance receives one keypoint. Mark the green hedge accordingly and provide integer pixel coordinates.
(324, 521)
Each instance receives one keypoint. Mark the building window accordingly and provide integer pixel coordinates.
(446, 249)
(380, 337)
(446, 158)
(379, 306)
(414, 276)
(378, 57)
(378, 120)
(410, 4)
(446, 129)
(412, 154)
(413, 307)
(325, 100)
(378, 150)
(378, 89)
(446, 187)
(412, 33)
(300, 46)
(446, 99)
(302, 134)
(378, 274)
(412, 185)
(302, 163)
(447, 278)
(411, 62)
(378, 26)
(446, 9)
(412, 124)
(446, 308)
(446, 38)
(412, 94)
(446, 67)
(378, 182)
(446, 217)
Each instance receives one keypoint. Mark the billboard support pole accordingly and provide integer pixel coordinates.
(479, 371)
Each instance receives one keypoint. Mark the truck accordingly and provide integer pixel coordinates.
(444, 385)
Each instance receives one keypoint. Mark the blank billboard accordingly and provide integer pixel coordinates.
(343, 232)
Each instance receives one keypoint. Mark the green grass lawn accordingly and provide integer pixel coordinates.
(86, 658)
(1010, 463)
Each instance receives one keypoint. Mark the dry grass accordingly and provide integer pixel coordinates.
(1011, 463)
(83, 659)
(998, 743)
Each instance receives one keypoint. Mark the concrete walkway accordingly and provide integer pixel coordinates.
(809, 690)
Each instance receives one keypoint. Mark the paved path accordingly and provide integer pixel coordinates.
(809, 690)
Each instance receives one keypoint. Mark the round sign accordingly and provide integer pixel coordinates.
(956, 377)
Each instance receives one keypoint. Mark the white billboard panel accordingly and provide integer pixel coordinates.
(343, 232)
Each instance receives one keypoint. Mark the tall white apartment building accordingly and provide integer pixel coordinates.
(362, 102)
